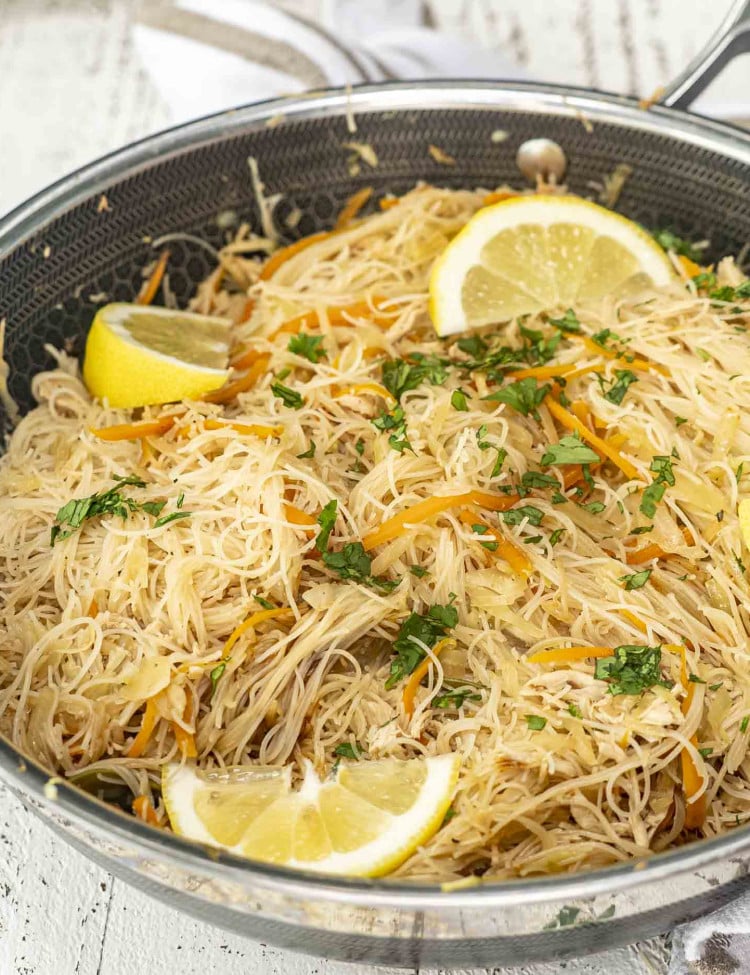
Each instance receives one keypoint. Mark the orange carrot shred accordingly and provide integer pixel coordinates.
(692, 779)
(516, 559)
(148, 292)
(388, 202)
(185, 739)
(646, 553)
(136, 431)
(419, 673)
(498, 196)
(93, 608)
(301, 518)
(573, 423)
(141, 740)
(352, 207)
(567, 655)
(144, 810)
(246, 429)
(252, 620)
(245, 359)
(285, 254)
(337, 316)
(241, 384)
(635, 620)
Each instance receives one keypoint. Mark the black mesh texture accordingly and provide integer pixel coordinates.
(46, 284)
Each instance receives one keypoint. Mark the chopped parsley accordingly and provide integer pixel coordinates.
(706, 279)
(661, 466)
(637, 580)
(265, 603)
(574, 711)
(473, 345)
(556, 535)
(669, 241)
(642, 530)
(353, 563)
(458, 401)
(525, 395)
(695, 679)
(631, 670)
(289, 397)
(359, 446)
(348, 749)
(216, 674)
(594, 507)
(624, 378)
(679, 420)
(326, 519)
(490, 545)
(568, 323)
(738, 473)
(395, 424)
(715, 687)
(399, 375)
(744, 723)
(535, 722)
(559, 498)
(308, 346)
(705, 752)
(174, 516)
(525, 511)
(570, 450)
(728, 293)
(110, 502)
(455, 698)
(418, 571)
(536, 479)
(427, 629)
(308, 454)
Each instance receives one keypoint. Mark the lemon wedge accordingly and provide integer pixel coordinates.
(137, 355)
(363, 821)
(536, 253)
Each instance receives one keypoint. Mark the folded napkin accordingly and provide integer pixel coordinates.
(204, 57)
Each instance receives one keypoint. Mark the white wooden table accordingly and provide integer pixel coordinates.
(71, 89)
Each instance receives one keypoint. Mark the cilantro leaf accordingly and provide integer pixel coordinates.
(352, 562)
(516, 515)
(525, 395)
(418, 571)
(473, 345)
(289, 397)
(455, 698)
(637, 580)
(535, 721)
(651, 497)
(174, 516)
(348, 749)
(395, 421)
(595, 507)
(568, 323)
(556, 535)
(574, 711)
(623, 379)
(535, 479)
(631, 670)
(458, 401)
(309, 453)
(308, 346)
(662, 467)
(216, 674)
(706, 279)
(110, 502)
(570, 450)
(326, 519)
(428, 629)
(669, 241)
(399, 375)
(265, 603)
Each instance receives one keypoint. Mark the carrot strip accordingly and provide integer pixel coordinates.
(689, 267)
(365, 388)
(429, 507)
(352, 207)
(516, 559)
(136, 431)
(141, 740)
(148, 292)
(636, 364)
(240, 385)
(143, 809)
(93, 609)
(543, 372)
(246, 311)
(185, 739)
(299, 517)
(652, 551)
(337, 316)
(498, 196)
(246, 429)
(419, 673)
(245, 359)
(252, 620)
(573, 423)
(568, 655)
(635, 620)
(285, 254)
(388, 202)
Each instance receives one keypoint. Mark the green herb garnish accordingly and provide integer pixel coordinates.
(265, 603)
(395, 424)
(418, 571)
(525, 395)
(570, 450)
(669, 241)
(458, 401)
(174, 516)
(455, 698)
(637, 580)
(110, 502)
(516, 515)
(623, 379)
(399, 375)
(353, 563)
(326, 519)
(427, 629)
(308, 346)
(215, 675)
(535, 721)
(308, 454)
(348, 749)
(568, 323)
(631, 670)
(289, 397)
(574, 711)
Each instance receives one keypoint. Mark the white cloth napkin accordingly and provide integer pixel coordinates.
(204, 56)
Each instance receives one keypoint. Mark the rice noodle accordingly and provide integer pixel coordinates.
(601, 781)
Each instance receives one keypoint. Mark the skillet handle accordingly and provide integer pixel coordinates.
(731, 39)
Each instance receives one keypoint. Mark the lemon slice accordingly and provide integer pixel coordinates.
(362, 822)
(137, 355)
(535, 253)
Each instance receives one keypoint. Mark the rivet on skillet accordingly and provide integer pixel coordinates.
(541, 157)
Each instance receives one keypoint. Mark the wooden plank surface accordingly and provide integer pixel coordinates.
(71, 88)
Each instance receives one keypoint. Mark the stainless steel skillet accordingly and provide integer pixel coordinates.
(62, 248)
